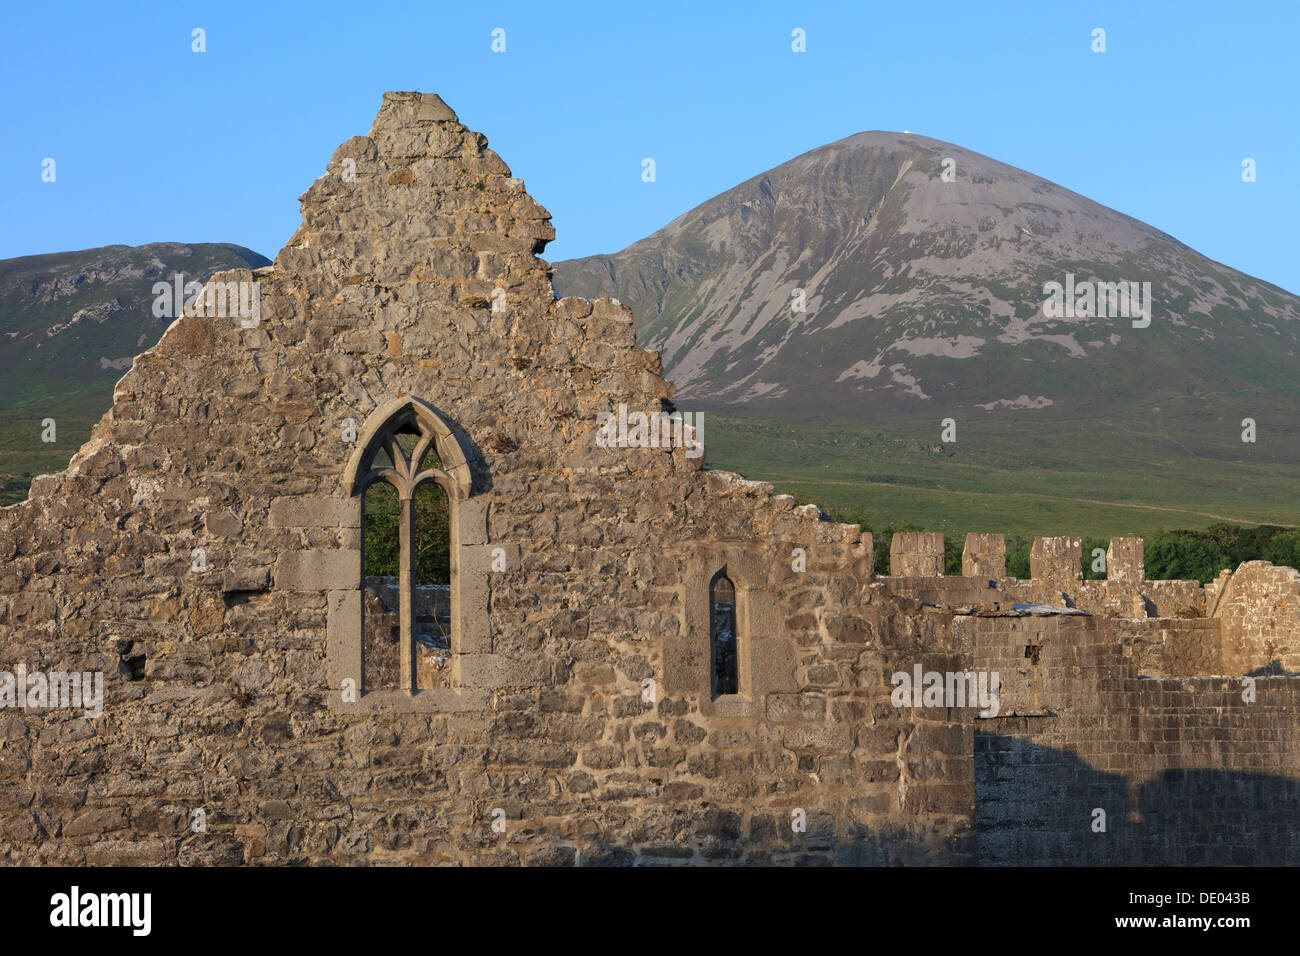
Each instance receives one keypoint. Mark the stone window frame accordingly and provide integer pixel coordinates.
(475, 670)
(407, 477)
(721, 575)
(765, 657)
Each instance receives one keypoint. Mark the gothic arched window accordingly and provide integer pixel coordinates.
(723, 666)
(408, 499)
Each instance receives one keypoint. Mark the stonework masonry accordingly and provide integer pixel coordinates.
(203, 550)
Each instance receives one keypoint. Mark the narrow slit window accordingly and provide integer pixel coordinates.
(722, 636)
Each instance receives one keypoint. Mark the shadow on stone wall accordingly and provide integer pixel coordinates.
(1273, 668)
(1036, 805)
(720, 837)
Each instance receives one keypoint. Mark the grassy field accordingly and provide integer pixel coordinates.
(23, 454)
(1026, 483)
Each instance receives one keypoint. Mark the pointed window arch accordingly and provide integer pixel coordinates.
(408, 446)
(724, 661)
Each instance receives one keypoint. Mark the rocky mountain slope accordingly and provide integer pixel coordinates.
(924, 298)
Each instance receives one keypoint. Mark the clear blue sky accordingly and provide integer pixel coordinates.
(153, 142)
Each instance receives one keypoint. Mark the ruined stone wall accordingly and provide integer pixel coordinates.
(1186, 770)
(1259, 607)
(203, 549)
(415, 274)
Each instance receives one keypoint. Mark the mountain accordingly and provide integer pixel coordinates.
(925, 300)
(71, 322)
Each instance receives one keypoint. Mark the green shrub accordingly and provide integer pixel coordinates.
(1284, 549)
(1184, 558)
(1090, 545)
(1018, 558)
(952, 549)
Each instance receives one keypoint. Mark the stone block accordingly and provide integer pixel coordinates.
(1057, 562)
(916, 554)
(984, 556)
(494, 558)
(1124, 561)
(249, 580)
(343, 641)
(318, 570)
(490, 671)
(315, 512)
(473, 522)
(686, 667)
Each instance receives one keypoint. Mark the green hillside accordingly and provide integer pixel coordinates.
(70, 325)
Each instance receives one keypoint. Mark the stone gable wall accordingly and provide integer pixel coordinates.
(227, 439)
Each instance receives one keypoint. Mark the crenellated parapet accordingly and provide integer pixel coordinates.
(1249, 617)
(1056, 577)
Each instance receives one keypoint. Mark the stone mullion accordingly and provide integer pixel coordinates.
(406, 524)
